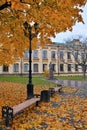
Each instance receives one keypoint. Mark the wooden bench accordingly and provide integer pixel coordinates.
(56, 89)
(9, 113)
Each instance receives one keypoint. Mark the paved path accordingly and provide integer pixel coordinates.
(80, 85)
(72, 83)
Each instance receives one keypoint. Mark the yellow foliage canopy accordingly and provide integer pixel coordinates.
(52, 16)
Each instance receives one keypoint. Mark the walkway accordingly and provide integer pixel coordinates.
(72, 83)
(80, 85)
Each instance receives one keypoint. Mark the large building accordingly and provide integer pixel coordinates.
(58, 54)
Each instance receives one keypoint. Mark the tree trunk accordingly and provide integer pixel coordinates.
(84, 71)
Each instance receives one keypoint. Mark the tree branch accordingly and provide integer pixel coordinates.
(8, 4)
(5, 5)
(24, 2)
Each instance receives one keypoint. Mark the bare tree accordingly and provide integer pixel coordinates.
(79, 52)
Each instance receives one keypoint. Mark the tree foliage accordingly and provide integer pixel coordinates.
(52, 17)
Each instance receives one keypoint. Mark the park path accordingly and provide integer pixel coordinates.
(73, 83)
(80, 85)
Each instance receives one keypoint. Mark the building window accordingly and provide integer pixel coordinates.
(44, 54)
(54, 67)
(61, 67)
(76, 55)
(69, 67)
(35, 54)
(86, 55)
(16, 67)
(26, 67)
(26, 54)
(35, 67)
(53, 54)
(76, 67)
(5, 68)
(82, 55)
(44, 67)
(61, 54)
(68, 55)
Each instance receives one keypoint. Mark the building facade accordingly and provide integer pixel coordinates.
(58, 54)
(41, 59)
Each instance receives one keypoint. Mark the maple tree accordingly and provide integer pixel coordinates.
(52, 17)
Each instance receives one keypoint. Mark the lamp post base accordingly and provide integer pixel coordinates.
(30, 90)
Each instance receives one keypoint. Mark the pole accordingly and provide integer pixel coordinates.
(30, 92)
(58, 59)
(21, 68)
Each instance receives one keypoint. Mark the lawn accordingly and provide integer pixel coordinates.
(80, 78)
(36, 80)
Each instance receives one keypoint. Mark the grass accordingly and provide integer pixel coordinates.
(80, 78)
(37, 80)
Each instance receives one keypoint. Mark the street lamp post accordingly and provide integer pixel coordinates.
(58, 59)
(28, 27)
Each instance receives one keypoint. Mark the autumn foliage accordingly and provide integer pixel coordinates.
(66, 112)
(52, 16)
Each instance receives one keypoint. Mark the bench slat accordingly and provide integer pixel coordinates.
(57, 89)
(23, 105)
(54, 90)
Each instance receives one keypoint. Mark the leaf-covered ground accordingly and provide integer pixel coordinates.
(65, 111)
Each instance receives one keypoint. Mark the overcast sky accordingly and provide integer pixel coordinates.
(79, 29)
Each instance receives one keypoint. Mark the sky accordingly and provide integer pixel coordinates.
(79, 29)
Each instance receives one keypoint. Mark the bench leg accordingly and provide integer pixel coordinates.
(37, 103)
(7, 114)
(60, 90)
(7, 121)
